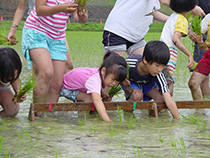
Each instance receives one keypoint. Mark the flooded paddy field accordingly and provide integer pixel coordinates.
(75, 135)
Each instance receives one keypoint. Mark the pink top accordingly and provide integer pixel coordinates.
(54, 26)
(84, 79)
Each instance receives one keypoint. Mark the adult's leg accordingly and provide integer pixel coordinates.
(56, 81)
(194, 85)
(10, 109)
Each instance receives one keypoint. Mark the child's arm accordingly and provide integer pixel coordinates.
(43, 10)
(171, 105)
(178, 43)
(100, 106)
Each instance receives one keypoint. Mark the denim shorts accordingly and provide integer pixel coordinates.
(145, 88)
(69, 94)
(113, 42)
(32, 39)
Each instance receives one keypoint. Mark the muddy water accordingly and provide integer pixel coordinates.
(60, 134)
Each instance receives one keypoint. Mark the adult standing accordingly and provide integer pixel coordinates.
(128, 23)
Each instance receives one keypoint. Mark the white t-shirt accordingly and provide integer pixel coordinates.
(205, 27)
(176, 22)
(131, 19)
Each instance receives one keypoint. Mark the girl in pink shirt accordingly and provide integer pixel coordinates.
(85, 84)
(44, 43)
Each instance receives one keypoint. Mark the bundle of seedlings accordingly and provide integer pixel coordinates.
(25, 89)
(195, 25)
(115, 90)
(81, 4)
(4, 40)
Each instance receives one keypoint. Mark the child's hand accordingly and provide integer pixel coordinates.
(82, 14)
(201, 43)
(191, 62)
(106, 97)
(192, 35)
(126, 82)
(21, 99)
(69, 7)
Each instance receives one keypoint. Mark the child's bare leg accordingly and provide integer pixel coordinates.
(56, 81)
(137, 95)
(84, 97)
(10, 109)
(194, 85)
(205, 89)
(68, 63)
(43, 69)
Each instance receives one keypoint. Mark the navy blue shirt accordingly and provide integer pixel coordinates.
(137, 78)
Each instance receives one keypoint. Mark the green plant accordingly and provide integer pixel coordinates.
(182, 148)
(195, 23)
(1, 144)
(115, 90)
(131, 122)
(161, 139)
(26, 88)
(119, 113)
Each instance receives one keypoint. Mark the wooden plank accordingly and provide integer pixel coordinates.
(125, 105)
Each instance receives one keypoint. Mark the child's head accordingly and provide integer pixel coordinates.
(156, 51)
(10, 65)
(114, 64)
(180, 6)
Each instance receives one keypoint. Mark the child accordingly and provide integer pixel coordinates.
(175, 28)
(202, 70)
(85, 84)
(10, 69)
(44, 42)
(145, 75)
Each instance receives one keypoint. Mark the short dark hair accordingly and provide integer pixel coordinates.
(10, 65)
(156, 51)
(115, 64)
(180, 6)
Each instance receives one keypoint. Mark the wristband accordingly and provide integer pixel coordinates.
(14, 25)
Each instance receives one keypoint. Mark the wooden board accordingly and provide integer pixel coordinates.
(125, 105)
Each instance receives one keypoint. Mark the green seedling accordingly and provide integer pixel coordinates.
(119, 113)
(115, 90)
(182, 147)
(173, 142)
(131, 122)
(161, 139)
(1, 144)
(26, 88)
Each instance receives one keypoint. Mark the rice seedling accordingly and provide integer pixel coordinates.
(173, 142)
(115, 90)
(56, 154)
(94, 130)
(19, 134)
(119, 113)
(80, 121)
(81, 2)
(182, 147)
(138, 152)
(161, 139)
(4, 40)
(131, 122)
(1, 144)
(26, 88)
(111, 131)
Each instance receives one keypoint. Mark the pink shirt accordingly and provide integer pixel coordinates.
(54, 26)
(84, 79)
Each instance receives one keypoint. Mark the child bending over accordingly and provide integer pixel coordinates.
(10, 69)
(202, 70)
(146, 78)
(175, 28)
(85, 84)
